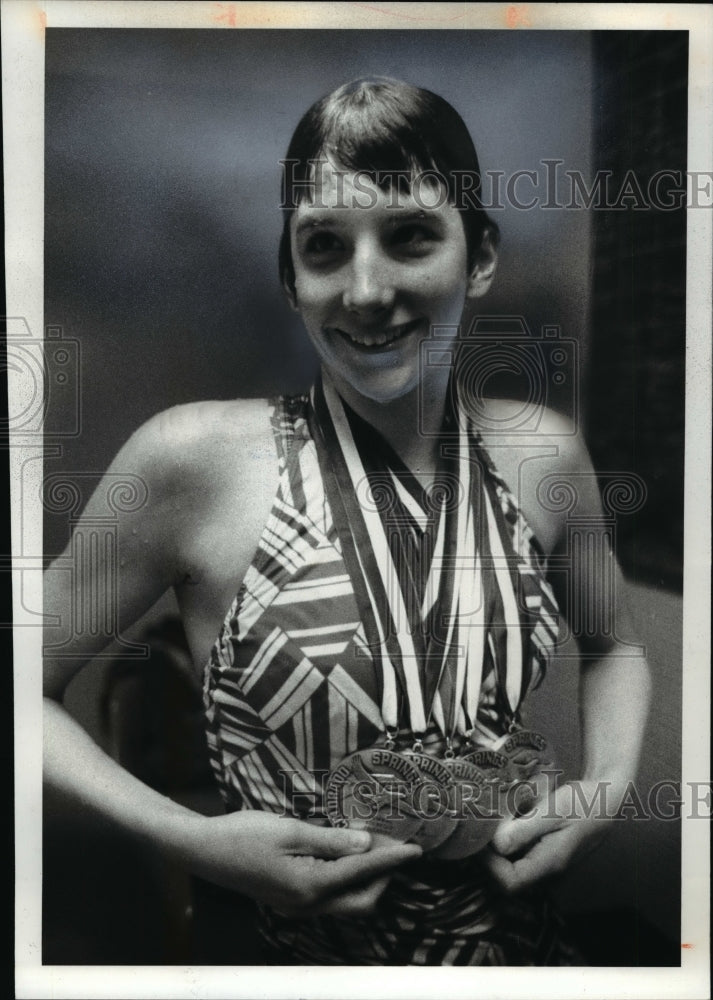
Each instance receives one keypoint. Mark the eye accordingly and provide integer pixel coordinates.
(322, 244)
(414, 237)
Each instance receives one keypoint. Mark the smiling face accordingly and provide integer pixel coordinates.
(375, 270)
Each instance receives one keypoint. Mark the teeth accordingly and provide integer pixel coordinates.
(379, 340)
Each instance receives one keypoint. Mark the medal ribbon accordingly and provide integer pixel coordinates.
(363, 538)
(507, 635)
(490, 625)
(400, 654)
(469, 584)
(450, 693)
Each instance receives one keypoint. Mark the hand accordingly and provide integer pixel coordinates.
(294, 866)
(543, 842)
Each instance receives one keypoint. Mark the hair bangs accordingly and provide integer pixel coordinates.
(378, 141)
(391, 132)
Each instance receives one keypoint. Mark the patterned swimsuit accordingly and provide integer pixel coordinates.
(290, 690)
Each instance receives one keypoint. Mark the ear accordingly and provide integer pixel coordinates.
(483, 272)
(290, 293)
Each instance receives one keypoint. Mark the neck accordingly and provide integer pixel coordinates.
(410, 424)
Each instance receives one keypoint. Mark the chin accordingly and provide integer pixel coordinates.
(384, 389)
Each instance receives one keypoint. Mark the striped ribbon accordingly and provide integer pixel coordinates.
(439, 675)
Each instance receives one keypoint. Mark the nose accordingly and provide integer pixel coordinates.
(369, 287)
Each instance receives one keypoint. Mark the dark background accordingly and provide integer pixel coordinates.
(162, 183)
(162, 194)
(635, 380)
(163, 188)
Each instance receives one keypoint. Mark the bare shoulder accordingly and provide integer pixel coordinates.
(538, 459)
(199, 462)
(547, 435)
(194, 439)
(215, 418)
(201, 467)
(195, 443)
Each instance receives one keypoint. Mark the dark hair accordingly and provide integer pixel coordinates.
(377, 125)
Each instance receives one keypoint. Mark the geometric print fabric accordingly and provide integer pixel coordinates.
(290, 690)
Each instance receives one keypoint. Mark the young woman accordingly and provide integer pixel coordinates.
(393, 606)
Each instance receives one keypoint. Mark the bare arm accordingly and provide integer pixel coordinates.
(73, 763)
(614, 696)
(293, 865)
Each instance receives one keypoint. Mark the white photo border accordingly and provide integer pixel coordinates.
(23, 26)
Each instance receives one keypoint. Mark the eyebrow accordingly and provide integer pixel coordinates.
(409, 215)
(314, 223)
(416, 215)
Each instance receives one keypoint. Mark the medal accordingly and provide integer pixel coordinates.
(494, 765)
(529, 757)
(435, 801)
(496, 768)
(375, 790)
(526, 751)
(476, 805)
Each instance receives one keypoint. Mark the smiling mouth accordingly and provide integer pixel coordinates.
(376, 340)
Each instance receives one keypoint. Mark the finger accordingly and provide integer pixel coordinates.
(547, 858)
(348, 871)
(326, 841)
(355, 902)
(500, 869)
(515, 835)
